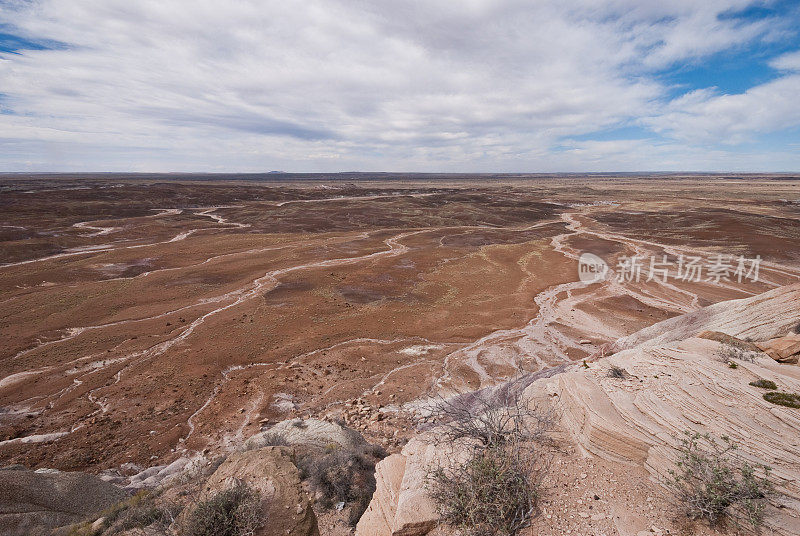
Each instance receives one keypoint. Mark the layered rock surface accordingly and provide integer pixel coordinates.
(674, 382)
(772, 314)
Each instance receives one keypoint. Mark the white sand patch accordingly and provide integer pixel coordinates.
(38, 438)
(419, 349)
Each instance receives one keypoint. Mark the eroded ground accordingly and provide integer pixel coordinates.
(141, 319)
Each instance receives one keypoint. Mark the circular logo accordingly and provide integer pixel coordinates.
(591, 268)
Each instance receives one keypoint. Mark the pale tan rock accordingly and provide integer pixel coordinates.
(783, 349)
(416, 512)
(98, 524)
(400, 505)
(678, 387)
(378, 519)
(272, 472)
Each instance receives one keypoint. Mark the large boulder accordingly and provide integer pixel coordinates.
(400, 506)
(314, 433)
(36, 502)
(271, 471)
(783, 349)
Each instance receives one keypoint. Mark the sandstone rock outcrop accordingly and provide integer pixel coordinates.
(272, 472)
(400, 505)
(36, 502)
(784, 349)
(758, 318)
(677, 387)
(674, 382)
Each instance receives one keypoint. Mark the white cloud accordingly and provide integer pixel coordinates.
(706, 116)
(329, 85)
(787, 62)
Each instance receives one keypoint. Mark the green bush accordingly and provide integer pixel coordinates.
(710, 483)
(789, 400)
(236, 511)
(764, 384)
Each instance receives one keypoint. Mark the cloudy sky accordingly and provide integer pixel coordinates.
(419, 85)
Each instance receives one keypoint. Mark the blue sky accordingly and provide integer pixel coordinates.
(419, 85)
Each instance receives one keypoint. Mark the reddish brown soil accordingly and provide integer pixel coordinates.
(204, 309)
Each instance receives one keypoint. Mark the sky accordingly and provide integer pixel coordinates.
(394, 85)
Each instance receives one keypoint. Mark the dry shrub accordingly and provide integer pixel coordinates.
(492, 493)
(488, 418)
(236, 511)
(618, 373)
(273, 440)
(710, 483)
(732, 350)
(343, 475)
(495, 490)
(140, 511)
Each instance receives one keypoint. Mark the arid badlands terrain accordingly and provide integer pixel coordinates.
(145, 320)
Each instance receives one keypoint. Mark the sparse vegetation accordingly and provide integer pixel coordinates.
(790, 400)
(235, 511)
(343, 475)
(140, 511)
(488, 419)
(492, 493)
(616, 372)
(273, 440)
(732, 349)
(710, 483)
(764, 384)
(491, 486)
(733, 365)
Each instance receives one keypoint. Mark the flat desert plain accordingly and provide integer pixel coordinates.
(142, 318)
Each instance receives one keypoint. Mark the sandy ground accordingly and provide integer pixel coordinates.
(142, 320)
